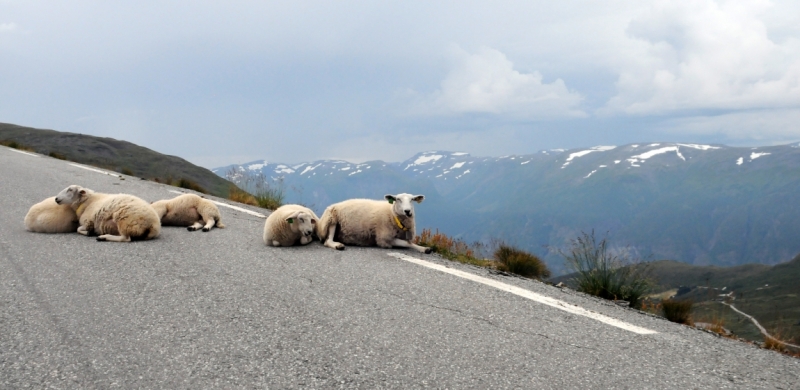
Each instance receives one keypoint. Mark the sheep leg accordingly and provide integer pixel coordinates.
(209, 224)
(113, 238)
(305, 240)
(408, 244)
(329, 242)
(195, 226)
(82, 230)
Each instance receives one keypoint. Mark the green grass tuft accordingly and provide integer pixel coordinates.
(517, 261)
(603, 274)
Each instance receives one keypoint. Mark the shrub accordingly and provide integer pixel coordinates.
(677, 310)
(517, 261)
(603, 274)
(126, 171)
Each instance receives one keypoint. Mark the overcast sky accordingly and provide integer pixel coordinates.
(223, 82)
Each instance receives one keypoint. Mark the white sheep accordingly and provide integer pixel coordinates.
(113, 217)
(48, 216)
(288, 225)
(188, 210)
(366, 222)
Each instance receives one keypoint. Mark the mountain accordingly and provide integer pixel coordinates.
(698, 204)
(115, 155)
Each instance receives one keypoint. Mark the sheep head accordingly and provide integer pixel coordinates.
(401, 203)
(72, 194)
(302, 222)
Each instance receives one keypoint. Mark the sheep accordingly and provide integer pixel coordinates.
(367, 222)
(288, 225)
(48, 216)
(113, 217)
(188, 210)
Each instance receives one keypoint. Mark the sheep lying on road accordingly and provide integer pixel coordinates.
(288, 225)
(114, 217)
(48, 216)
(366, 222)
(188, 210)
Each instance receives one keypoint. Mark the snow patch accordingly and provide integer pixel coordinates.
(310, 168)
(255, 167)
(524, 162)
(617, 161)
(590, 174)
(459, 154)
(585, 152)
(458, 165)
(425, 159)
(645, 156)
(283, 169)
(700, 147)
(345, 169)
(740, 161)
(755, 155)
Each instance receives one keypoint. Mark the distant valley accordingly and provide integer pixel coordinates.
(697, 204)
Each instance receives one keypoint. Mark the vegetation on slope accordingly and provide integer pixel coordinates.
(119, 156)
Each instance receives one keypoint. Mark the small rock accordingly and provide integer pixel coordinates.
(561, 285)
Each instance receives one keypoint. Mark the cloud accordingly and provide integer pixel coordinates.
(8, 27)
(768, 126)
(706, 54)
(487, 83)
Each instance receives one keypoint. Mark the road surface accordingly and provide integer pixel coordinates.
(222, 310)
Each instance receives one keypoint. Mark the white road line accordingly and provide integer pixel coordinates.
(93, 169)
(561, 305)
(229, 206)
(19, 151)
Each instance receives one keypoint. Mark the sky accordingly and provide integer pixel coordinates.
(221, 83)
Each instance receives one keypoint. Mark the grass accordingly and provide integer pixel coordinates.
(603, 274)
(263, 192)
(57, 155)
(451, 249)
(16, 145)
(678, 310)
(517, 261)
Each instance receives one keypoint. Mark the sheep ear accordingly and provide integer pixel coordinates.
(390, 198)
(418, 198)
(82, 192)
(313, 221)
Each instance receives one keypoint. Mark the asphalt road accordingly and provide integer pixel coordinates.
(222, 310)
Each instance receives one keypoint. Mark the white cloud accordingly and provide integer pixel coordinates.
(768, 126)
(706, 54)
(486, 82)
(7, 27)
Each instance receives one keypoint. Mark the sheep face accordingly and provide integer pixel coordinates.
(71, 194)
(401, 203)
(302, 222)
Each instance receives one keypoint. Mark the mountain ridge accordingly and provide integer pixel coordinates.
(680, 201)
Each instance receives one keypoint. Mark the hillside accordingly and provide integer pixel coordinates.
(115, 155)
(698, 204)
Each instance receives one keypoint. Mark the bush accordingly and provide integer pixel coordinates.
(519, 262)
(677, 310)
(603, 274)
